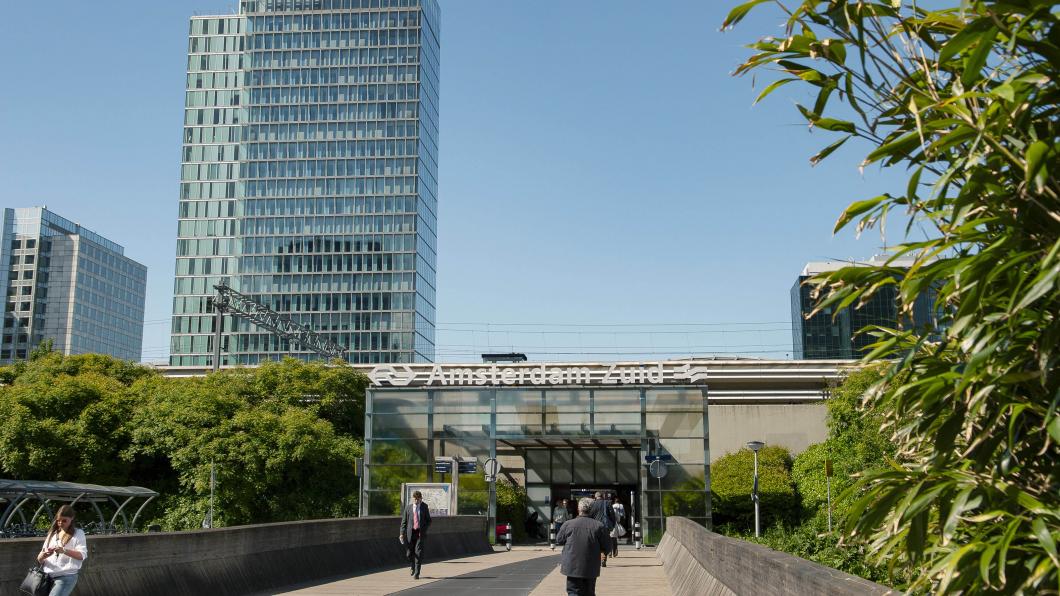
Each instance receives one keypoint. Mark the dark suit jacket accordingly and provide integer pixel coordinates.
(406, 520)
(602, 512)
(584, 539)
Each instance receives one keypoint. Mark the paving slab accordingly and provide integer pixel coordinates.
(396, 580)
(637, 572)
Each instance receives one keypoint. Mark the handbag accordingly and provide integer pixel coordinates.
(618, 531)
(37, 583)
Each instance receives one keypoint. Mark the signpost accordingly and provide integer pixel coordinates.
(657, 468)
(828, 486)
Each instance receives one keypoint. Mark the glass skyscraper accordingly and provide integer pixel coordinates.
(309, 177)
(70, 285)
(832, 336)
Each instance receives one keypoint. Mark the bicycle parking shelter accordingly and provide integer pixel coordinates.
(15, 495)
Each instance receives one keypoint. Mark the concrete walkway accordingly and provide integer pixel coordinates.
(634, 572)
(524, 570)
(397, 580)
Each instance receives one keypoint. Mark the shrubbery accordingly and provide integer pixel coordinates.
(283, 436)
(731, 480)
(794, 494)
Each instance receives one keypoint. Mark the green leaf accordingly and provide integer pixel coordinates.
(900, 147)
(973, 66)
(737, 14)
(1041, 533)
(835, 125)
(772, 87)
(856, 209)
(823, 153)
(959, 42)
(1035, 157)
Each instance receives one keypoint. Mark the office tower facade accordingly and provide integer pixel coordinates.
(309, 178)
(70, 285)
(835, 337)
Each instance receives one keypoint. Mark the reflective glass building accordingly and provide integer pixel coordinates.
(309, 177)
(830, 336)
(70, 285)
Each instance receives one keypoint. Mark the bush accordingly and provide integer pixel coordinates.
(731, 480)
(511, 508)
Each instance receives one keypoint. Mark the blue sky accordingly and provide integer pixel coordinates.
(607, 189)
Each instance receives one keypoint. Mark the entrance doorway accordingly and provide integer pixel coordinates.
(628, 496)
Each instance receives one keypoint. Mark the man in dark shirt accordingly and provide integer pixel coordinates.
(602, 512)
(584, 539)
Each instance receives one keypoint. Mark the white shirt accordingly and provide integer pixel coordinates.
(59, 564)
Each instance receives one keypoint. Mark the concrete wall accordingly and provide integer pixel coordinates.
(244, 559)
(792, 425)
(703, 563)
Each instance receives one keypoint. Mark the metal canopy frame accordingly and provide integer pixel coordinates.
(17, 493)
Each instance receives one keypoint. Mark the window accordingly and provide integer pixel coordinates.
(31, 243)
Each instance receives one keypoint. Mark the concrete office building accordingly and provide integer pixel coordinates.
(70, 285)
(309, 177)
(564, 430)
(824, 336)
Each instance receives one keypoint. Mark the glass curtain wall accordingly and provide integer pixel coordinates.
(309, 177)
(578, 437)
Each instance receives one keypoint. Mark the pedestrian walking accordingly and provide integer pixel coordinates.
(584, 541)
(620, 517)
(602, 512)
(560, 514)
(64, 550)
(414, 523)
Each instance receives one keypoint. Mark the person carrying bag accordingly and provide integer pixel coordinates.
(60, 559)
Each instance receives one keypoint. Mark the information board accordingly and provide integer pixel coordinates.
(437, 495)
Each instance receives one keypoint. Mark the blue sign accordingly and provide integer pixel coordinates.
(444, 467)
(468, 467)
(661, 456)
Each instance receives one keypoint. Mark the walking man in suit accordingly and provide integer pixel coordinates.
(584, 540)
(414, 523)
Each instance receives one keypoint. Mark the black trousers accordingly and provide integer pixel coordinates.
(581, 586)
(414, 550)
(614, 546)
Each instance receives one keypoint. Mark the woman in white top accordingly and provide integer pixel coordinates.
(64, 550)
(619, 529)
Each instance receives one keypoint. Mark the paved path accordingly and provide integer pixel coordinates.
(396, 580)
(532, 571)
(634, 572)
(514, 579)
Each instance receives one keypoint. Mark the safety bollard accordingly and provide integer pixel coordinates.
(636, 535)
(552, 536)
(508, 536)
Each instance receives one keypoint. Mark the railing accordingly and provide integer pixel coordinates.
(701, 563)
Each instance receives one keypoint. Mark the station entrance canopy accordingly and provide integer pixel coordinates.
(561, 430)
(15, 495)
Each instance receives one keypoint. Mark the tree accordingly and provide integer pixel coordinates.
(731, 482)
(968, 100)
(855, 444)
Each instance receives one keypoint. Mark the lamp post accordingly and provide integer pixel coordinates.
(754, 446)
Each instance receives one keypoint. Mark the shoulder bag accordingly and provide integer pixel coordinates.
(37, 583)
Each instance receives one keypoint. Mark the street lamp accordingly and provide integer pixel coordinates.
(754, 446)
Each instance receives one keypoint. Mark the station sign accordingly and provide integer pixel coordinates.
(536, 375)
